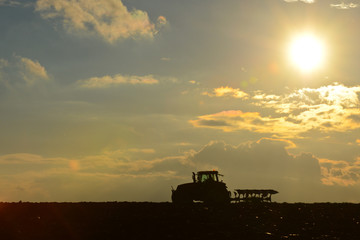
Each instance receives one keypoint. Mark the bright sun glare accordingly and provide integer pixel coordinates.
(307, 52)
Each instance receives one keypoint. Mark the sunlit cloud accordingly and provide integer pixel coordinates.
(305, 1)
(21, 71)
(227, 92)
(142, 150)
(110, 81)
(161, 21)
(328, 108)
(340, 172)
(19, 158)
(127, 161)
(344, 6)
(290, 144)
(31, 173)
(263, 163)
(332, 108)
(33, 177)
(341, 5)
(110, 19)
(33, 71)
(236, 120)
(358, 141)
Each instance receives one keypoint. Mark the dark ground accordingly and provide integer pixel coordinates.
(126, 220)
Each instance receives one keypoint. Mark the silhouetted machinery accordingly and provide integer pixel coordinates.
(208, 188)
(205, 187)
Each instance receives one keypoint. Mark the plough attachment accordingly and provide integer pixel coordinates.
(253, 195)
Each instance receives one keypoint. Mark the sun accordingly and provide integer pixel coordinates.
(307, 52)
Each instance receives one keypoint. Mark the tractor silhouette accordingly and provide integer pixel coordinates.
(206, 187)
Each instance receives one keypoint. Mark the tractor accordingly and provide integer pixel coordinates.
(206, 187)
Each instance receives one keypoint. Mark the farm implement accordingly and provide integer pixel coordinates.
(208, 188)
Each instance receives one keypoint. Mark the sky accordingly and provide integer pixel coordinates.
(118, 100)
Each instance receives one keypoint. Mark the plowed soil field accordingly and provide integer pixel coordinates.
(146, 220)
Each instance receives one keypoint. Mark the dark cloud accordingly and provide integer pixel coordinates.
(263, 164)
(355, 118)
(263, 158)
(327, 124)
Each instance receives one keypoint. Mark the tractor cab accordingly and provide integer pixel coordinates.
(206, 176)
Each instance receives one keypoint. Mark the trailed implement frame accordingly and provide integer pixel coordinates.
(253, 195)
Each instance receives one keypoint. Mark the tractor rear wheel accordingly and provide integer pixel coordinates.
(181, 198)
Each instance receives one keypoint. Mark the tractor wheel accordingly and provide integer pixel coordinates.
(181, 198)
(217, 198)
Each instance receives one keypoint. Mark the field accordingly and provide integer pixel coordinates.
(145, 220)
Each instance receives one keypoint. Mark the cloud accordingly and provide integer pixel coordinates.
(263, 164)
(122, 175)
(109, 19)
(340, 172)
(32, 71)
(138, 175)
(305, 1)
(332, 108)
(110, 81)
(335, 94)
(227, 92)
(9, 3)
(344, 6)
(22, 71)
(264, 159)
(3, 63)
(236, 120)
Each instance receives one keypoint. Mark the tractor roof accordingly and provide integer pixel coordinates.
(207, 172)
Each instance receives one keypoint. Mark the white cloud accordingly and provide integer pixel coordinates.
(108, 18)
(305, 1)
(344, 6)
(109, 81)
(341, 5)
(332, 108)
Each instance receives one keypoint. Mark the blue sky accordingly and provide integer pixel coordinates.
(118, 100)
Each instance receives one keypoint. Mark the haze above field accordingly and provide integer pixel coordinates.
(112, 100)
